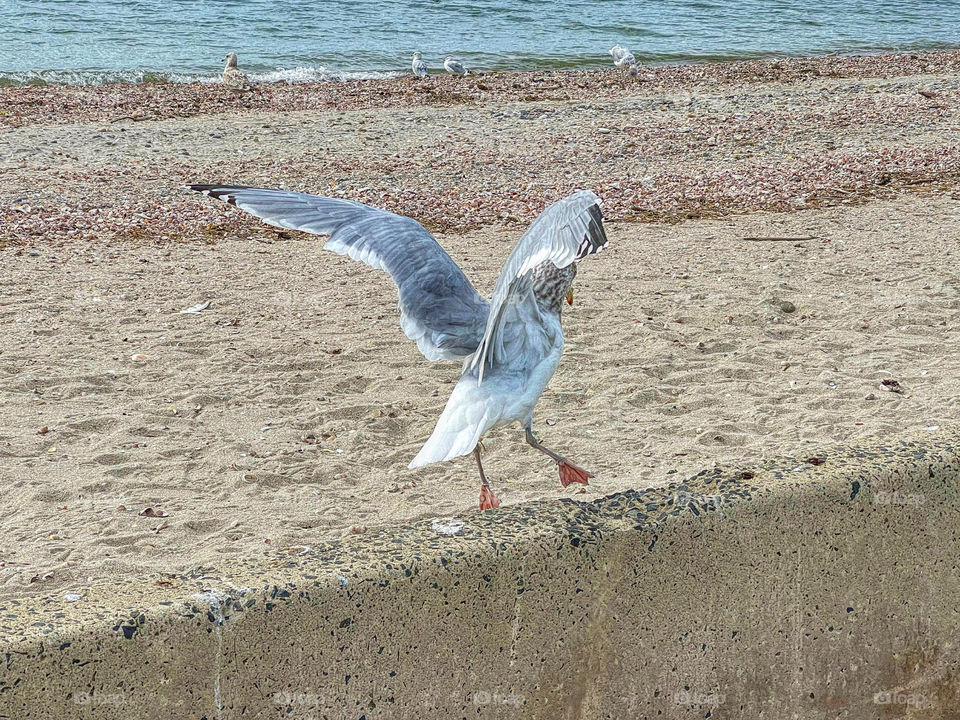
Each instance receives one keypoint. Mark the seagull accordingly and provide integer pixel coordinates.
(455, 67)
(623, 58)
(233, 78)
(510, 346)
(419, 66)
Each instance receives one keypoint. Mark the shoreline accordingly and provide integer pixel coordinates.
(55, 104)
(300, 75)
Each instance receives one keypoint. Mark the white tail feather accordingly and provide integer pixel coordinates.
(470, 412)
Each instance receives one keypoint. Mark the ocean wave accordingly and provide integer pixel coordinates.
(513, 61)
(78, 77)
(289, 76)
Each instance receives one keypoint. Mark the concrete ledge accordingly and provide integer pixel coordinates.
(797, 589)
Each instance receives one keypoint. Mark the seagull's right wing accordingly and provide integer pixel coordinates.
(439, 308)
(565, 232)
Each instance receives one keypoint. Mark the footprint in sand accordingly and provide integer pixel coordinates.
(109, 459)
(723, 435)
(356, 384)
(123, 471)
(350, 412)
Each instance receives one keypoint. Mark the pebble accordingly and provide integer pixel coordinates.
(447, 526)
(779, 305)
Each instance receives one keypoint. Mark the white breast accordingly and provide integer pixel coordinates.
(520, 406)
(508, 393)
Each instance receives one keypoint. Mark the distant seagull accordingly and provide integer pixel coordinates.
(233, 78)
(623, 58)
(455, 67)
(419, 66)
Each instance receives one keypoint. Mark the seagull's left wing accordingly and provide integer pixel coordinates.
(439, 309)
(565, 232)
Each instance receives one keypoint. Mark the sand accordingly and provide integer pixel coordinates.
(285, 413)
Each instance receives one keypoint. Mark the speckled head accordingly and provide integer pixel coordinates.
(552, 284)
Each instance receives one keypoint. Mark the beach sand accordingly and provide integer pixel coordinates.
(285, 413)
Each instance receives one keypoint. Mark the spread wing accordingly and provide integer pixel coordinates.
(439, 309)
(565, 232)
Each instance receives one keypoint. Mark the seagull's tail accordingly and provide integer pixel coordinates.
(470, 412)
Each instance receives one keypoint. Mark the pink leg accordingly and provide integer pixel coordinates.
(488, 501)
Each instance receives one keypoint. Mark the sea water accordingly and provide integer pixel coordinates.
(94, 41)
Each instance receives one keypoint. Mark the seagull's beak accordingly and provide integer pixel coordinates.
(570, 296)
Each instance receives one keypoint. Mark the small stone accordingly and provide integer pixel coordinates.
(780, 305)
(447, 526)
(892, 385)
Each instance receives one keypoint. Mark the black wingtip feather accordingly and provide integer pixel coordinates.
(596, 237)
(220, 192)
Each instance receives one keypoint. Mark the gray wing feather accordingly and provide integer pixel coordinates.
(439, 309)
(565, 232)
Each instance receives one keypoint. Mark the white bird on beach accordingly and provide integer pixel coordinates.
(623, 58)
(510, 346)
(455, 67)
(419, 66)
(234, 78)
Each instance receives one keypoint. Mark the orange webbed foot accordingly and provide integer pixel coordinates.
(570, 473)
(488, 501)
